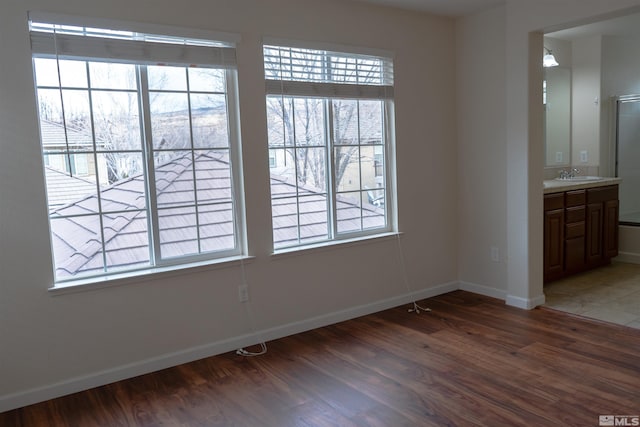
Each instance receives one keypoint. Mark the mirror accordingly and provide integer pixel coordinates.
(557, 117)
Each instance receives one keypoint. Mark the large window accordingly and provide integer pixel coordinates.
(329, 134)
(140, 158)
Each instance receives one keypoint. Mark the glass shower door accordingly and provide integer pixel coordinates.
(628, 157)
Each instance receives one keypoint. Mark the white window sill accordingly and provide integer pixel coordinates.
(145, 275)
(332, 244)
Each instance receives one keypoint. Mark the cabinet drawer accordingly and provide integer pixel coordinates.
(553, 201)
(571, 231)
(576, 198)
(575, 214)
(602, 194)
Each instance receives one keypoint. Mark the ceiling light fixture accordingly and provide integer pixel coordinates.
(549, 60)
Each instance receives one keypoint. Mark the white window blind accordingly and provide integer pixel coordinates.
(64, 41)
(309, 72)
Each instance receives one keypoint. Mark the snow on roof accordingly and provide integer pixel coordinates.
(77, 239)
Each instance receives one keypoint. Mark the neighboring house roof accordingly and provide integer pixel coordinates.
(63, 188)
(53, 136)
(77, 240)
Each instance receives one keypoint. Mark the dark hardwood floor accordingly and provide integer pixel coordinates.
(472, 361)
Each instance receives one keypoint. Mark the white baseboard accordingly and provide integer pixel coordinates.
(73, 385)
(483, 290)
(524, 303)
(630, 257)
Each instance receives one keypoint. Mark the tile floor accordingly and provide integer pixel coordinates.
(610, 293)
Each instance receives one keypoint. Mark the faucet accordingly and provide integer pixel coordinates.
(568, 174)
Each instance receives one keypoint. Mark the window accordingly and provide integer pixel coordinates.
(140, 158)
(273, 162)
(329, 117)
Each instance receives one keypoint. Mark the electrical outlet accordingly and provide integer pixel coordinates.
(495, 254)
(584, 156)
(559, 157)
(243, 293)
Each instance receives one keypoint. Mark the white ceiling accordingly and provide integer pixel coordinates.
(452, 8)
(624, 26)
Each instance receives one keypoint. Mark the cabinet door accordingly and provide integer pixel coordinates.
(610, 239)
(595, 221)
(553, 243)
(574, 260)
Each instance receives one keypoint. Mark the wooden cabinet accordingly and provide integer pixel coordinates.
(580, 230)
(553, 236)
(602, 225)
(574, 244)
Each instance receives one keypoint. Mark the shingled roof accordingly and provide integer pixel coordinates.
(63, 188)
(77, 239)
(53, 136)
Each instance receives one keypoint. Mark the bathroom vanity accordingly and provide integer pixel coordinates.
(580, 225)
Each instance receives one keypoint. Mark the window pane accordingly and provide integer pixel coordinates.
(67, 186)
(309, 125)
(283, 175)
(213, 177)
(107, 75)
(357, 211)
(116, 120)
(127, 240)
(216, 227)
(72, 73)
(167, 78)
(345, 122)
(284, 212)
(77, 245)
(50, 106)
(314, 218)
(280, 121)
(300, 219)
(380, 163)
(347, 169)
(371, 119)
(311, 169)
(178, 232)
(348, 211)
(369, 168)
(170, 120)
(209, 121)
(46, 71)
(207, 80)
(78, 118)
(124, 189)
(175, 180)
(373, 214)
(118, 167)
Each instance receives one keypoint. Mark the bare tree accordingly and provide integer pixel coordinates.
(302, 119)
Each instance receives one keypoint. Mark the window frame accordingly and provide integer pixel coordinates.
(334, 236)
(156, 263)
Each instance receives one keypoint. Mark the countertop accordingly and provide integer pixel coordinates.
(557, 186)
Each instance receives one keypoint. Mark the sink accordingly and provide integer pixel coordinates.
(581, 178)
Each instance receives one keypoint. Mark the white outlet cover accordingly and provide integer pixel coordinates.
(584, 156)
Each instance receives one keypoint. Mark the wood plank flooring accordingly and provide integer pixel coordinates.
(472, 361)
